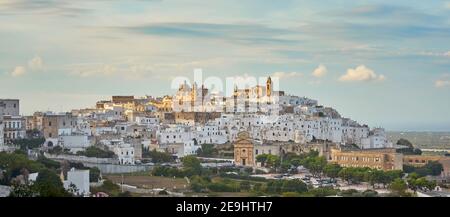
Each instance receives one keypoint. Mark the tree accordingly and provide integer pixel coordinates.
(346, 174)
(191, 165)
(315, 164)
(207, 150)
(93, 151)
(415, 183)
(376, 177)
(48, 184)
(94, 174)
(73, 189)
(262, 158)
(409, 150)
(434, 167)
(51, 164)
(14, 163)
(273, 161)
(26, 144)
(322, 192)
(398, 187)
(22, 190)
(332, 170)
(158, 157)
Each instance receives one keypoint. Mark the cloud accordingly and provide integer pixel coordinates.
(441, 83)
(48, 7)
(444, 81)
(447, 5)
(94, 71)
(249, 33)
(361, 73)
(320, 71)
(435, 54)
(36, 64)
(18, 71)
(283, 75)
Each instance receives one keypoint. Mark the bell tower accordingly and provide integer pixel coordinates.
(269, 87)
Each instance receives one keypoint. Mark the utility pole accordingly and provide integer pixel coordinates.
(122, 184)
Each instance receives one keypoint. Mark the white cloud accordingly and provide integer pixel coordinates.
(361, 73)
(18, 71)
(447, 5)
(320, 71)
(441, 83)
(282, 75)
(444, 81)
(436, 54)
(93, 71)
(36, 64)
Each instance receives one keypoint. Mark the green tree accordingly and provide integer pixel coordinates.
(322, 192)
(315, 164)
(73, 189)
(191, 165)
(262, 158)
(22, 190)
(26, 144)
(398, 187)
(207, 150)
(434, 167)
(97, 152)
(409, 148)
(273, 161)
(48, 184)
(51, 164)
(158, 157)
(94, 174)
(332, 170)
(346, 174)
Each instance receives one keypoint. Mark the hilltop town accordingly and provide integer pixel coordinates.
(254, 129)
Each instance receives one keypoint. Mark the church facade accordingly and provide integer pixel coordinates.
(244, 150)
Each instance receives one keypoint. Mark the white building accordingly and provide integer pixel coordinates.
(190, 148)
(80, 178)
(210, 134)
(125, 153)
(13, 128)
(9, 107)
(376, 139)
(175, 134)
(180, 149)
(74, 142)
(147, 121)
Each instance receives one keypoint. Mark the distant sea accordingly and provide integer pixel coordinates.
(437, 140)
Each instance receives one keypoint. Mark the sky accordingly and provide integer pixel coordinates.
(382, 63)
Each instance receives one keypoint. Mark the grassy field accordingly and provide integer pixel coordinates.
(147, 181)
(423, 139)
